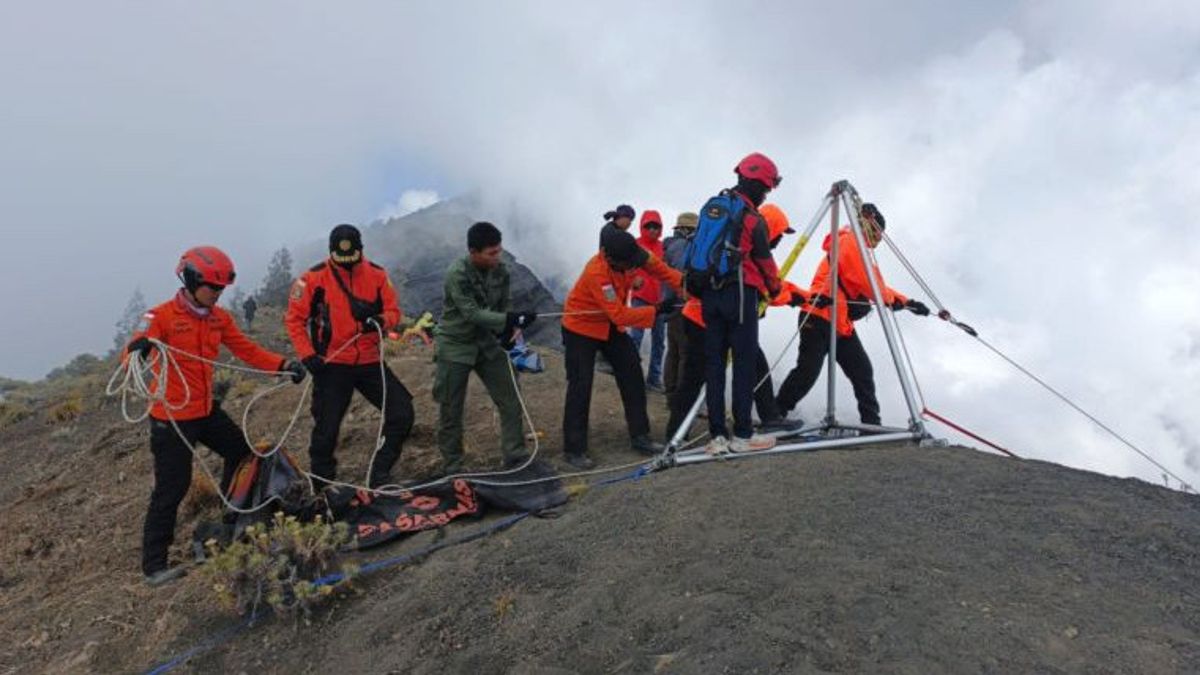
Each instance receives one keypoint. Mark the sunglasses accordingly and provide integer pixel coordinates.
(653, 226)
(216, 288)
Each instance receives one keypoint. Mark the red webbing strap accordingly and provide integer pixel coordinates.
(981, 439)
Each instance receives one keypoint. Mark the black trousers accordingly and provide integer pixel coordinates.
(851, 358)
(333, 388)
(691, 378)
(731, 325)
(580, 360)
(676, 352)
(173, 475)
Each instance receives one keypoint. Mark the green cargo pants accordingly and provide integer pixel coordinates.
(450, 391)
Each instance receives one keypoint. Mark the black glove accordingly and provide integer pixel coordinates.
(917, 307)
(507, 338)
(368, 324)
(314, 364)
(796, 300)
(666, 308)
(142, 346)
(295, 368)
(820, 301)
(897, 305)
(519, 320)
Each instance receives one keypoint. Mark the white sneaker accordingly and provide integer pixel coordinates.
(755, 443)
(717, 446)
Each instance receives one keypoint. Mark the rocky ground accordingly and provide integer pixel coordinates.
(890, 559)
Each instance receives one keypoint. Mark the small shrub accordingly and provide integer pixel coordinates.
(67, 410)
(12, 412)
(276, 563)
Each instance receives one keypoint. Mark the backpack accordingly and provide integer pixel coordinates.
(714, 256)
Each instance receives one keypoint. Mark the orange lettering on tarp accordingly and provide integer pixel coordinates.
(426, 503)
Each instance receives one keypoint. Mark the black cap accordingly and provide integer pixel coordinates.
(871, 210)
(622, 247)
(345, 244)
(622, 211)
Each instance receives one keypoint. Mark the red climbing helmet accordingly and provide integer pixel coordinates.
(759, 167)
(204, 265)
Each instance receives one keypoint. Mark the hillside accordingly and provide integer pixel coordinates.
(897, 559)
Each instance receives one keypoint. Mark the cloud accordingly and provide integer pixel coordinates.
(408, 202)
(1035, 160)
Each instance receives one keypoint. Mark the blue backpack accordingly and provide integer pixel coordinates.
(714, 256)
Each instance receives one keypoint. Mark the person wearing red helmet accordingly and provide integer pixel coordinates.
(191, 325)
(730, 312)
(648, 292)
(335, 313)
(691, 377)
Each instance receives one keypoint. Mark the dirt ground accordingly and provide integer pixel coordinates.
(898, 559)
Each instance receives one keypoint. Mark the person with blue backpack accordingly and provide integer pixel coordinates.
(729, 267)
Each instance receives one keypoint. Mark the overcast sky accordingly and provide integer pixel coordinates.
(1037, 161)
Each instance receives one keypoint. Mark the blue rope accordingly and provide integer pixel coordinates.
(215, 640)
(227, 633)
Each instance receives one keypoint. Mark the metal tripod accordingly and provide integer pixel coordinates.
(829, 433)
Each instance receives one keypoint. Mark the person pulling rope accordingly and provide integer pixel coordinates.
(181, 409)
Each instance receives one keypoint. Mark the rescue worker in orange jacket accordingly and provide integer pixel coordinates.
(594, 317)
(854, 302)
(335, 314)
(191, 325)
(692, 376)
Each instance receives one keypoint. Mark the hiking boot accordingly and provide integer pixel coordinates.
(717, 446)
(644, 445)
(755, 443)
(579, 461)
(165, 576)
(780, 424)
(655, 387)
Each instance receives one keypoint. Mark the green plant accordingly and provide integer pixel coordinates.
(67, 410)
(277, 563)
(12, 412)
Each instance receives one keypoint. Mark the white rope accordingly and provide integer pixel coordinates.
(1187, 487)
(134, 382)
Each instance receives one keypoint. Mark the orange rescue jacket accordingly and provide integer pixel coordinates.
(598, 298)
(176, 323)
(319, 319)
(852, 279)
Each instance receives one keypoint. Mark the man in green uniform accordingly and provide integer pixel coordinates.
(476, 327)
